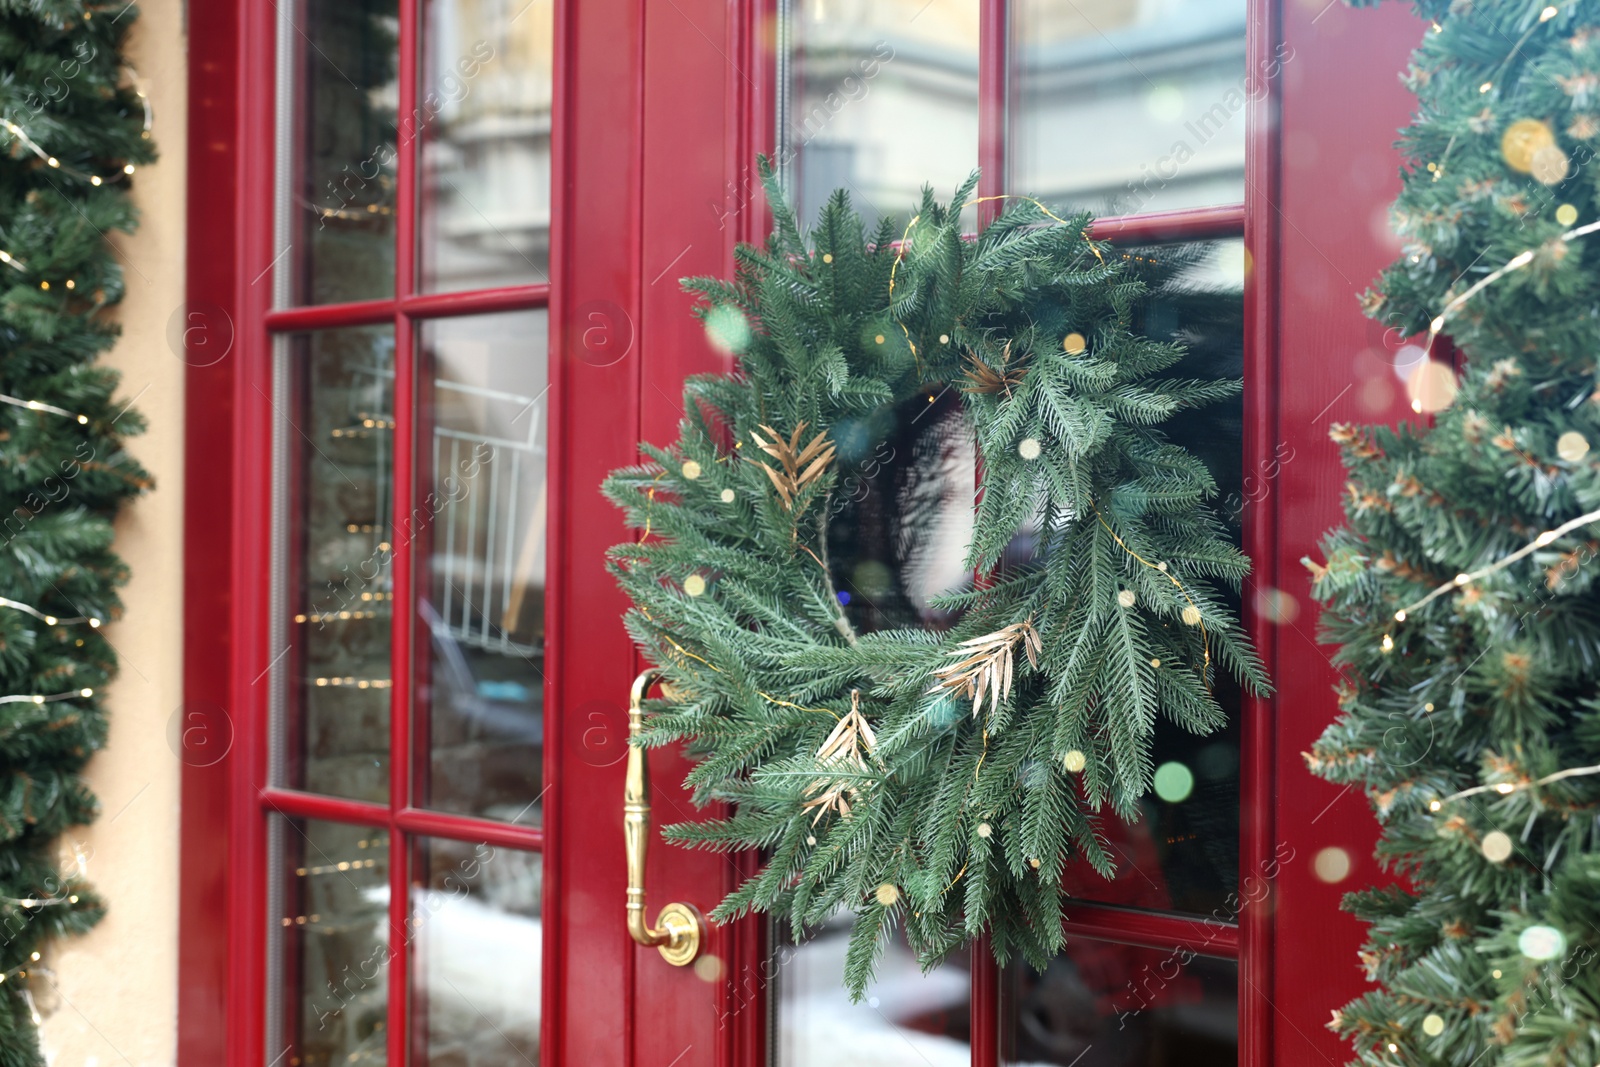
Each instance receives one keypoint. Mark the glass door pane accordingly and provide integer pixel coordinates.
(1105, 1005)
(908, 1019)
(878, 97)
(344, 70)
(481, 529)
(484, 121)
(476, 940)
(339, 458)
(332, 944)
(1126, 106)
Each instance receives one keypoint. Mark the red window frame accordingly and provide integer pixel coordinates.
(612, 67)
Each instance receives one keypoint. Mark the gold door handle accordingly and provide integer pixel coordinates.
(679, 927)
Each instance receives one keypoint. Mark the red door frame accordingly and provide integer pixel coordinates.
(626, 102)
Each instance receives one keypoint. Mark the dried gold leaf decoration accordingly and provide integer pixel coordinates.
(982, 378)
(848, 746)
(984, 664)
(801, 466)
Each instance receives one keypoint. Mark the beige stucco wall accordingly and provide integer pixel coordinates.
(116, 999)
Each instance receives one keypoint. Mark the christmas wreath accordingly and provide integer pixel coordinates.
(935, 780)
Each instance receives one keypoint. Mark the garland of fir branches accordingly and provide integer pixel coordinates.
(73, 130)
(936, 781)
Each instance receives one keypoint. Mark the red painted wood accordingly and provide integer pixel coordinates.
(249, 494)
(694, 76)
(985, 1035)
(211, 238)
(401, 567)
(480, 302)
(1341, 106)
(416, 305)
(1202, 936)
(301, 805)
(1184, 224)
(1257, 782)
(588, 962)
(465, 828)
(328, 316)
(994, 81)
(744, 993)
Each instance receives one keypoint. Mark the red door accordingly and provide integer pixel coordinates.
(441, 240)
(1186, 122)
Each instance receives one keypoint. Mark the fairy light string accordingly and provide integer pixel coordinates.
(54, 163)
(1517, 262)
(47, 619)
(39, 405)
(1505, 789)
(47, 698)
(1469, 577)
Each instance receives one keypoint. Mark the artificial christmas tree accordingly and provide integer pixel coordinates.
(1461, 590)
(73, 129)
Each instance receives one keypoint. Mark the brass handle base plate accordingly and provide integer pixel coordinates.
(684, 927)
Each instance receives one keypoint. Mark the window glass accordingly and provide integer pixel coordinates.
(339, 435)
(1125, 106)
(880, 97)
(484, 124)
(345, 59)
(333, 946)
(901, 516)
(476, 938)
(481, 529)
(1105, 1005)
(907, 1018)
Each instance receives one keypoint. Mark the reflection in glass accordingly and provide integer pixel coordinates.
(907, 1019)
(482, 529)
(334, 943)
(477, 939)
(900, 517)
(1125, 106)
(484, 120)
(343, 150)
(881, 97)
(340, 462)
(1105, 1005)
